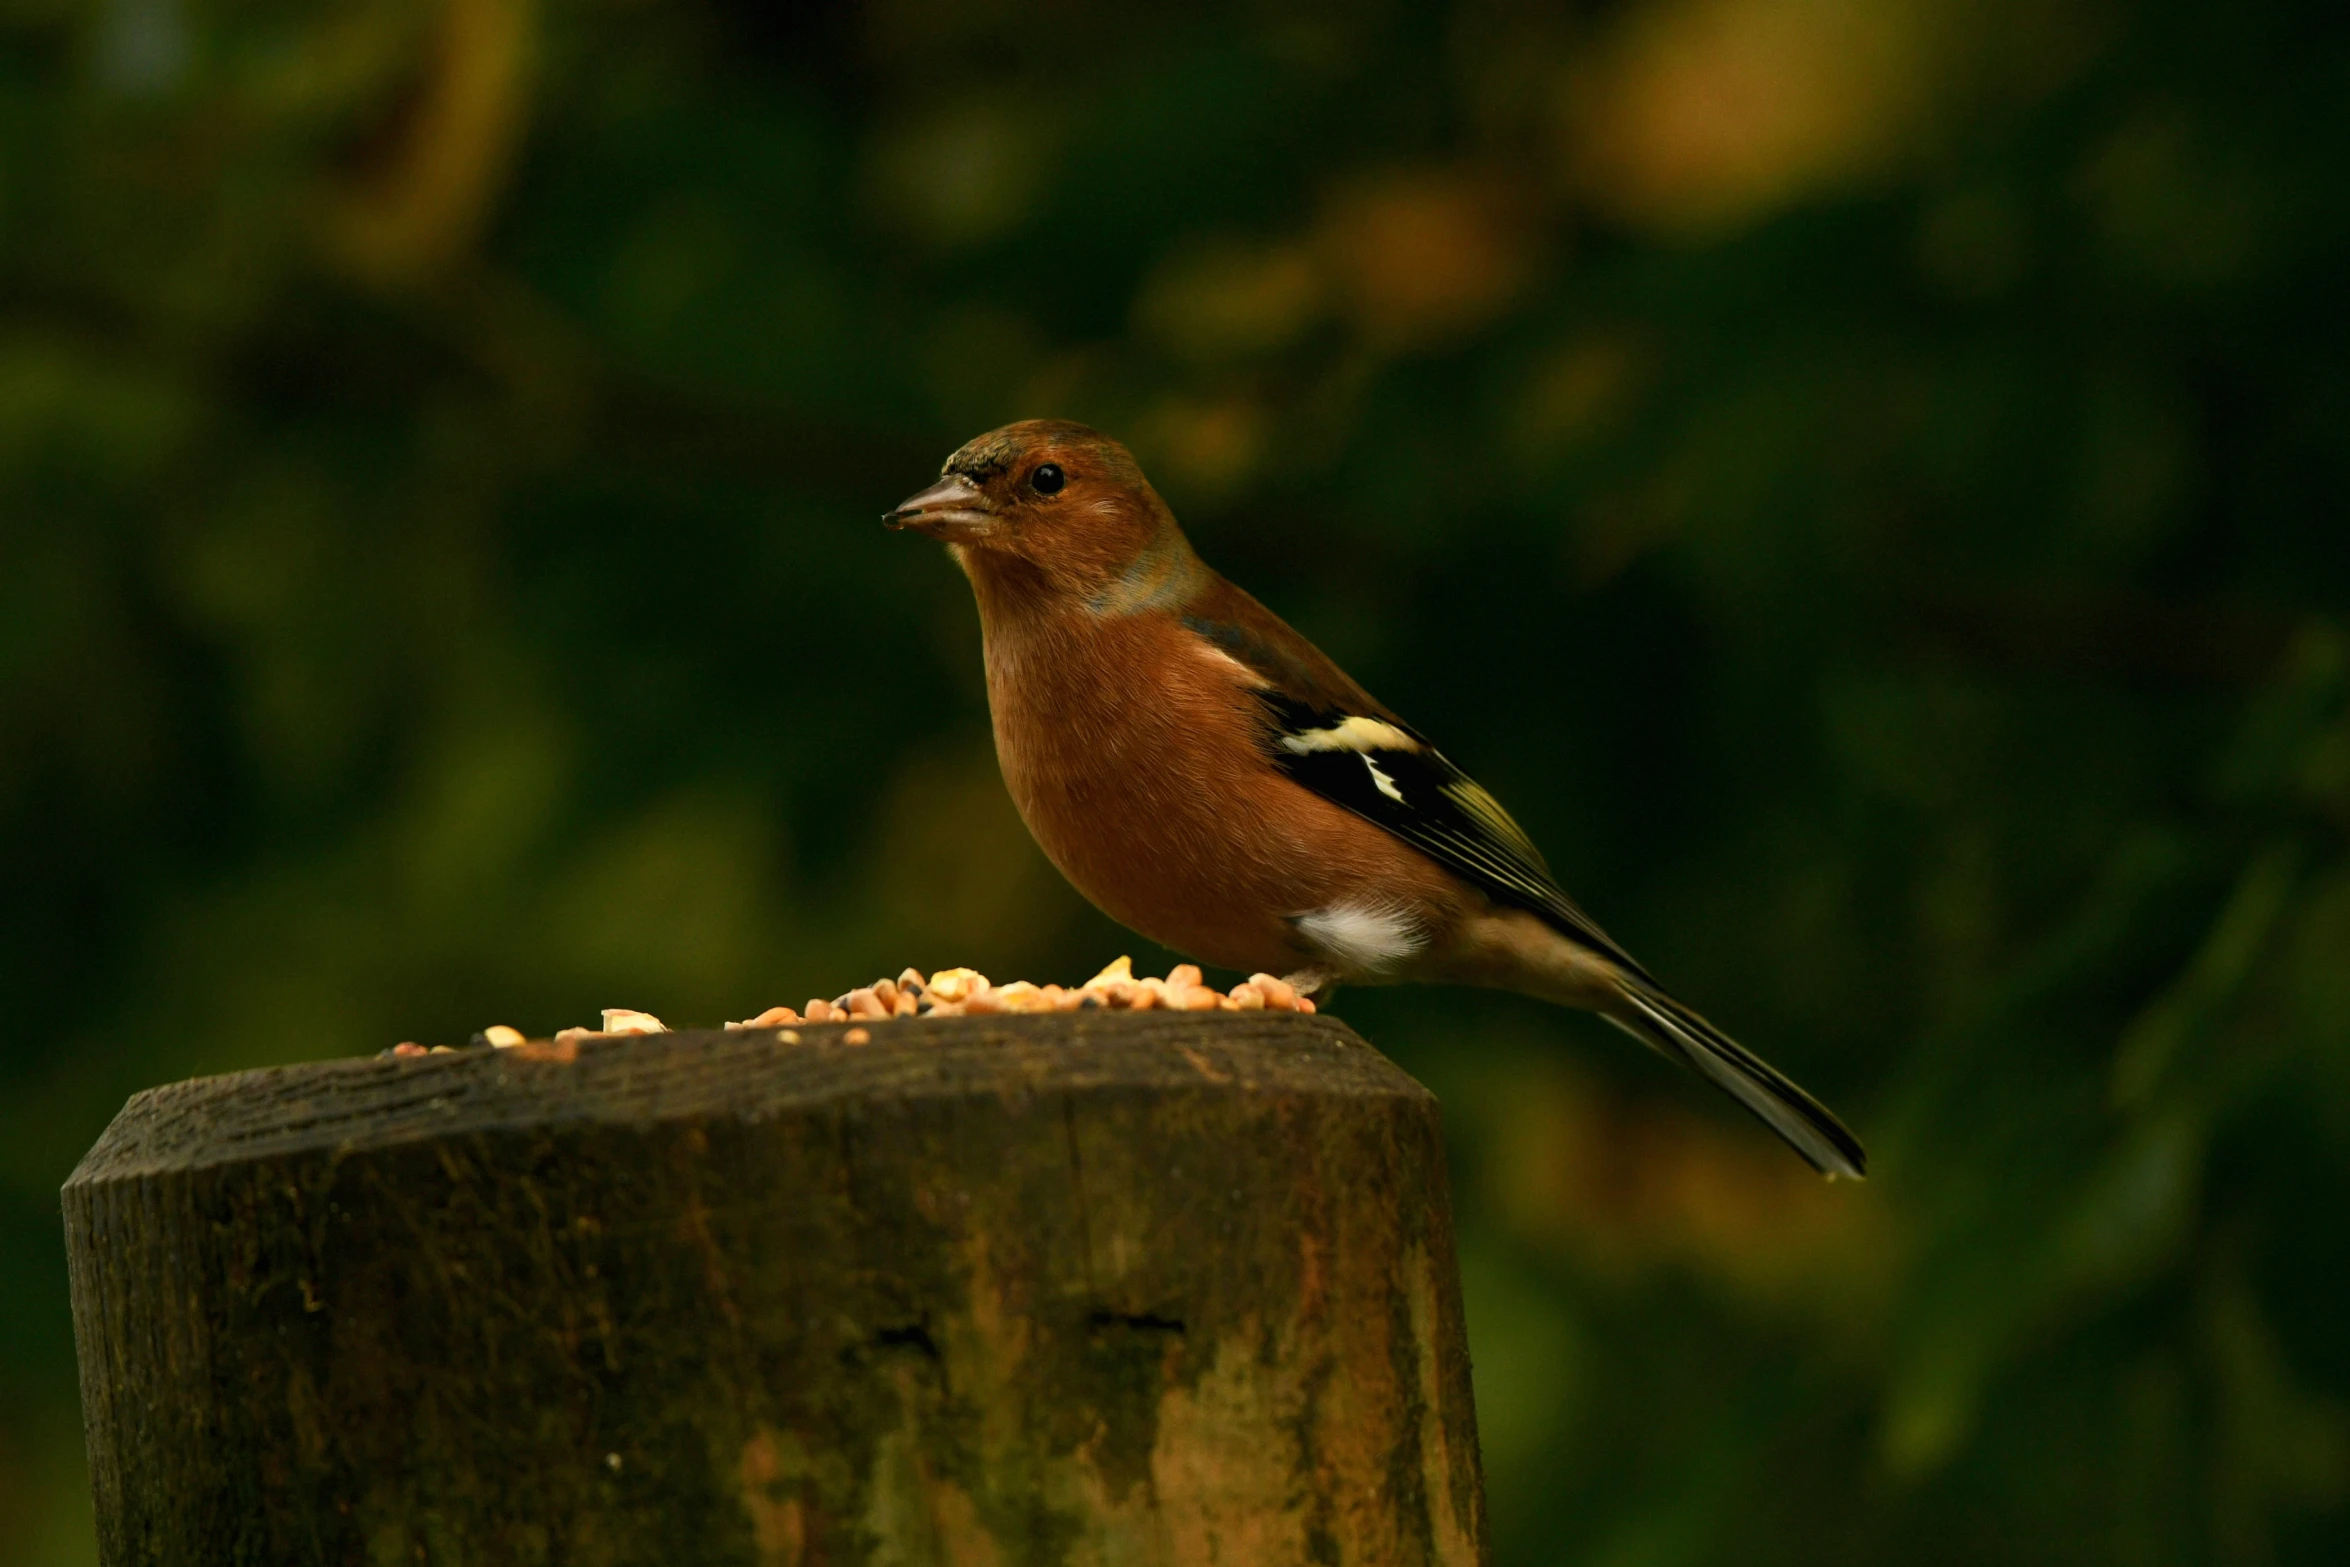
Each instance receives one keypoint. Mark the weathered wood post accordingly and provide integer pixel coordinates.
(1079, 1288)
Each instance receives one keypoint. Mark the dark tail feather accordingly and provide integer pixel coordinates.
(1666, 1026)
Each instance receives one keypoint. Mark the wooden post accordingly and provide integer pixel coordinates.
(1083, 1288)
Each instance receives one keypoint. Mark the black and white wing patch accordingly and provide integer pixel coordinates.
(1390, 775)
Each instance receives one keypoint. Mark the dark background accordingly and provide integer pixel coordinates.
(1865, 480)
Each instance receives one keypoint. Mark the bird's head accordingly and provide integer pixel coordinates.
(1045, 500)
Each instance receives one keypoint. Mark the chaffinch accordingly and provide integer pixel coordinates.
(1210, 778)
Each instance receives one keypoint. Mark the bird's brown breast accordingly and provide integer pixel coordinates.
(1131, 748)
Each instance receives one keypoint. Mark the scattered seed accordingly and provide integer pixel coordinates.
(951, 992)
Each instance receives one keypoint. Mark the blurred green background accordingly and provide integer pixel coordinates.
(1865, 480)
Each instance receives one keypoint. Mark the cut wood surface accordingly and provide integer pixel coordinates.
(1091, 1288)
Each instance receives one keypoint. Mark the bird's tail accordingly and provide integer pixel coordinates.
(1673, 1030)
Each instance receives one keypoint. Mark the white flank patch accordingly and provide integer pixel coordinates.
(1351, 734)
(1361, 937)
(1386, 784)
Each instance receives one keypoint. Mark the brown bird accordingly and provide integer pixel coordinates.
(1210, 778)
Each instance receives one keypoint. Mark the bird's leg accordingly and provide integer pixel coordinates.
(1318, 983)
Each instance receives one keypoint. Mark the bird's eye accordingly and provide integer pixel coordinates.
(1048, 479)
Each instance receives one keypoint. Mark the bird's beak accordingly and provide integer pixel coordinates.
(951, 509)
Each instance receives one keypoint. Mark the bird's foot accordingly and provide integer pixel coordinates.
(1318, 983)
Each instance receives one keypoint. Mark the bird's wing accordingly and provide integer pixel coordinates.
(1328, 734)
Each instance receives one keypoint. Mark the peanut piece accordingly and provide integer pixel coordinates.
(1279, 994)
(1116, 973)
(957, 984)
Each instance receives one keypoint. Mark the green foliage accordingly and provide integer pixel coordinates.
(1865, 483)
